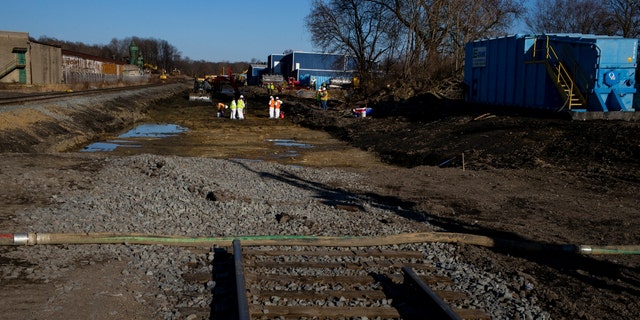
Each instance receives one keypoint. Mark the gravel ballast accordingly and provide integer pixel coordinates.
(200, 197)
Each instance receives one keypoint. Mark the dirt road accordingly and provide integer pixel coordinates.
(546, 180)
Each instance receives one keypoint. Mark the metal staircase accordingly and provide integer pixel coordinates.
(11, 65)
(563, 79)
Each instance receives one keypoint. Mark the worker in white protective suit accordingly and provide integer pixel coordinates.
(233, 107)
(240, 105)
(277, 107)
(272, 107)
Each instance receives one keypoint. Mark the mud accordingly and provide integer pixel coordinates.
(533, 177)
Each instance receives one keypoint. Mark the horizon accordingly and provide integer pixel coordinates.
(213, 31)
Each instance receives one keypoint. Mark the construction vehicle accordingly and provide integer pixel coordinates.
(272, 78)
(201, 90)
(204, 88)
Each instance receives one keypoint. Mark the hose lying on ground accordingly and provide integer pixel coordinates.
(16, 239)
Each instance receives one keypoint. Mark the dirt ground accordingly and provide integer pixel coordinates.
(536, 178)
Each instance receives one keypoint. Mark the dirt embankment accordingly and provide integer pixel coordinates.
(427, 131)
(57, 126)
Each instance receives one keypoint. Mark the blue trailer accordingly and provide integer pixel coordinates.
(273, 63)
(321, 67)
(573, 72)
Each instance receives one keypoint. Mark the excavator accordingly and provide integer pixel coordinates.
(201, 90)
(205, 87)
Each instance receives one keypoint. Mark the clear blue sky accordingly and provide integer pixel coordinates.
(211, 30)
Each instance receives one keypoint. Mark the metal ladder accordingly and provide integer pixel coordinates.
(562, 78)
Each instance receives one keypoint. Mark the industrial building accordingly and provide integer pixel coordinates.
(82, 68)
(254, 72)
(578, 73)
(312, 68)
(27, 62)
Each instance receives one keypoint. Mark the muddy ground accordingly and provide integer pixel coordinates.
(537, 178)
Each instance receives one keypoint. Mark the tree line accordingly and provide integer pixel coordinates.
(158, 55)
(420, 43)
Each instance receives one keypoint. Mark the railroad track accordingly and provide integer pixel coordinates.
(331, 283)
(48, 96)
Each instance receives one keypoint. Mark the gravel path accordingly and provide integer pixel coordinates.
(208, 197)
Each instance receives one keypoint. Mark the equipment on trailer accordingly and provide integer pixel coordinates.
(580, 73)
(272, 78)
(201, 90)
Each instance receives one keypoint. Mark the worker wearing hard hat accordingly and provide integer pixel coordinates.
(319, 97)
(277, 107)
(221, 108)
(241, 105)
(233, 107)
(324, 97)
(272, 108)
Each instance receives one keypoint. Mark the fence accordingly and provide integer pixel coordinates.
(71, 77)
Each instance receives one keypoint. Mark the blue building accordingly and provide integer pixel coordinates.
(254, 72)
(313, 69)
(273, 63)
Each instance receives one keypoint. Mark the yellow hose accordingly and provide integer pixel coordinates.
(338, 241)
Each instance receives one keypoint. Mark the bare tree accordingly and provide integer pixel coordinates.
(358, 28)
(476, 20)
(569, 16)
(436, 31)
(167, 55)
(155, 52)
(626, 17)
(119, 49)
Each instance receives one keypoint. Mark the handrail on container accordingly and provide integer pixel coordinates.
(547, 48)
(563, 75)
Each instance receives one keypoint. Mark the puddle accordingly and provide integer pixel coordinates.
(110, 145)
(289, 143)
(154, 131)
(144, 131)
(291, 146)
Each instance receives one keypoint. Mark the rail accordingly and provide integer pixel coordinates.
(331, 283)
(241, 289)
(47, 96)
(439, 308)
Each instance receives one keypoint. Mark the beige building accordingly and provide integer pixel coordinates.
(27, 62)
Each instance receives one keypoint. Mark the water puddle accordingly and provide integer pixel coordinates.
(144, 131)
(291, 146)
(154, 131)
(289, 143)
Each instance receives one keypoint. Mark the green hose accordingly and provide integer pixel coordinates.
(326, 241)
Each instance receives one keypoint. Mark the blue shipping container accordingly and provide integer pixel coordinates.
(573, 72)
(273, 63)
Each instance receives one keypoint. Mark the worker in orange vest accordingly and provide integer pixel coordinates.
(272, 108)
(277, 107)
